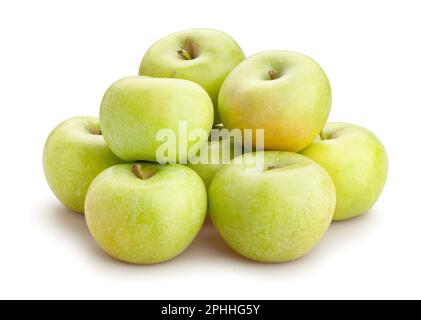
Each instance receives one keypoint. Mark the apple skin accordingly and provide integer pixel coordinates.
(217, 54)
(357, 162)
(146, 221)
(206, 171)
(135, 109)
(73, 157)
(292, 109)
(278, 215)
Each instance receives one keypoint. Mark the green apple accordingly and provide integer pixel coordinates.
(135, 110)
(74, 154)
(285, 93)
(201, 55)
(357, 162)
(145, 213)
(276, 215)
(218, 153)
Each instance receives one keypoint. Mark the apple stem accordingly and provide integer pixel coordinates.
(140, 173)
(184, 54)
(322, 135)
(95, 131)
(273, 74)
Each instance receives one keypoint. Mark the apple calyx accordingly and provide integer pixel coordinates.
(95, 131)
(140, 173)
(273, 74)
(270, 168)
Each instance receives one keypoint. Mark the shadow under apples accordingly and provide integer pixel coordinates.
(73, 226)
(340, 235)
(209, 248)
(207, 244)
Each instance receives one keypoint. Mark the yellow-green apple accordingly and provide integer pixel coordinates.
(204, 56)
(276, 215)
(212, 157)
(357, 162)
(74, 154)
(285, 93)
(136, 110)
(145, 213)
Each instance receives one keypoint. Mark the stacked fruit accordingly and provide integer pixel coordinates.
(143, 211)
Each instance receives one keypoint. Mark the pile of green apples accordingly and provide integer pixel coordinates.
(144, 212)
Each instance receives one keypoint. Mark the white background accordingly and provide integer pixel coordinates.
(58, 58)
